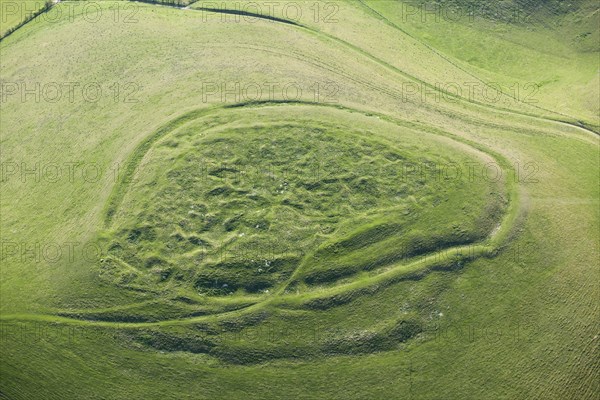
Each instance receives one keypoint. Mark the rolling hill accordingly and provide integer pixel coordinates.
(361, 199)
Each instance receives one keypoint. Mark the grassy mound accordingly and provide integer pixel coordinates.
(228, 208)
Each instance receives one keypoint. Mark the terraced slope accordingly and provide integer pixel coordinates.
(261, 204)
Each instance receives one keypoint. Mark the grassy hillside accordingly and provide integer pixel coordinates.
(231, 201)
(14, 13)
(535, 51)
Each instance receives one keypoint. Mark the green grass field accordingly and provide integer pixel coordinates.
(360, 199)
(14, 13)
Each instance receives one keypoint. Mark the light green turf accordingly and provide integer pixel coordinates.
(509, 311)
(15, 12)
